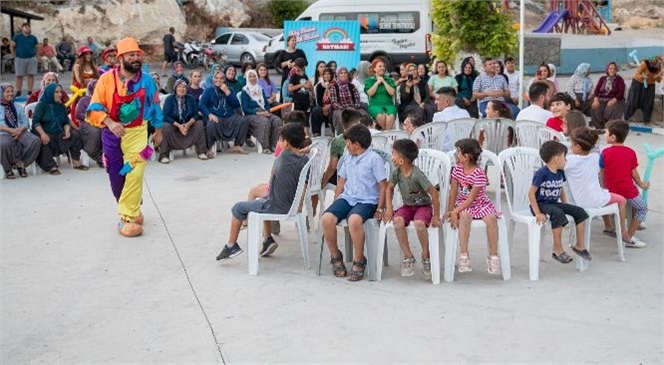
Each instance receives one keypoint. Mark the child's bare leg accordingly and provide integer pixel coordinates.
(608, 221)
(267, 229)
(633, 226)
(235, 230)
(581, 235)
(623, 226)
(257, 191)
(423, 235)
(465, 220)
(557, 240)
(314, 203)
(356, 229)
(330, 233)
(491, 222)
(402, 236)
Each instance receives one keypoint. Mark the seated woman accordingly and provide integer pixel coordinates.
(47, 79)
(609, 102)
(242, 77)
(269, 88)
(543, 74)
(90, 136)
(262, 124)
(218, 105)
(178, 74)
(414, 96)
(381, 88)
(321, 113)
(580, 88)
(194, 89)
(343, 94)
(231, 79)
(51, 123)
(183, 126)
(18, 148)
(465, 80)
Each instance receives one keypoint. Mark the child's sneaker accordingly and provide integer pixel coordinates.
(269, 246)
(635, 243)
(229, 252)
(493, 265)
(426, 269)
(463, 263)
(408, 267)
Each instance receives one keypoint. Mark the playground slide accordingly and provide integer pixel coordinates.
(550, 22)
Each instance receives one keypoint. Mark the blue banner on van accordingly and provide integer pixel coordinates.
(337, 41)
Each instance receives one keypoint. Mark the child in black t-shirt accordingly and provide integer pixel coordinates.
(300, 87)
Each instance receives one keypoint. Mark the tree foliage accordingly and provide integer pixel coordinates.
(283, 10)
(472, 26)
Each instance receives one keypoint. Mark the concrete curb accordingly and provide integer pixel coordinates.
(645, 129)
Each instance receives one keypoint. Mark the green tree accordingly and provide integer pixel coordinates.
(473, 26)
(283, 10)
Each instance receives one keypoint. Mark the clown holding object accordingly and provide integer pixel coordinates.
(123, 102)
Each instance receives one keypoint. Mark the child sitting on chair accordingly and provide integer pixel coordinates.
(468, 201)
(418, 195)
(560, 105)
(410, 124)
(360, 195)
(349, 117)
(582, 171)
(283, 185)
(548, 201)
(618, 173)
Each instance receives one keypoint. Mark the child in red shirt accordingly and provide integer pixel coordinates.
(619, 175)
(560, 105)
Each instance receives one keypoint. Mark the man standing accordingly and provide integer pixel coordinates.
(124, 101)
(514, 78)
(491, 86)
(539, 94)
(170, 50)
(24, 48)
(66, 52)
(48, 56)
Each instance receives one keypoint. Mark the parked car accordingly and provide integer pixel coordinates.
(241, 47)
(274, 47)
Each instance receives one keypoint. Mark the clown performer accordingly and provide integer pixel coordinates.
(123, 102)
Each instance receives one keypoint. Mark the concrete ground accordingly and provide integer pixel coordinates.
(74, 291)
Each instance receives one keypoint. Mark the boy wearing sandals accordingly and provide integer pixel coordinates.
(548, 201)
(360, 195)
(421, 205)
(283, 186)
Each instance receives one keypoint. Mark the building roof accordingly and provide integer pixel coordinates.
(20, 14)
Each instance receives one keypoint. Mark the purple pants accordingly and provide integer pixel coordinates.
(113, 161)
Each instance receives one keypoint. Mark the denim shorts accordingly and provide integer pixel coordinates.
(242, 209)
(341, 209)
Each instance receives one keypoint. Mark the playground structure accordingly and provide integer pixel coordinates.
(577, 17)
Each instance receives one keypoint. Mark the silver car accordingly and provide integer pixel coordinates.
(241, 47)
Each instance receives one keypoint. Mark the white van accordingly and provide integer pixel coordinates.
(397, 30)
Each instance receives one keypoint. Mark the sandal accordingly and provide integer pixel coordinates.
(22, 172)
(563, 258)
(610, 232)
(357, 275)
(81, 167)
(54, 171)
(584, 254)
(338, 267)
(9, 174)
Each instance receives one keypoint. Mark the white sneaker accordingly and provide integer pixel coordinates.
(493, 265)
(642, 226)
(408, 267)
(202, 156)
(635, 243)
(463, 264)
(164, 160)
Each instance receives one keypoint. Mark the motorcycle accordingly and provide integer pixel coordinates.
(190, 53)
(210, 57)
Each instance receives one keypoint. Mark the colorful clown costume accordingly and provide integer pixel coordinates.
(132, 103)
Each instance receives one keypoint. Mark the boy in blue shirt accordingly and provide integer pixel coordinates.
(360, 195)
(548, 201)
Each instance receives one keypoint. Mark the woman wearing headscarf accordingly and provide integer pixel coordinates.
(580, 88)
(51, 123)
(263, 125)
(18, 147)
(343, 94)
(552, 77)
(609, 102)
(183, 126)
(642, 89)
(178, 74)
(381, 89)
(321, 113)
(218, 104)
(465, 80)
(47, 79)
(90, 136)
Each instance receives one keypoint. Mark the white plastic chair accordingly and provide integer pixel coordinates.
(432, 136)
(545, 133)
(452, 236)
(457, 129)
(379, 142)
(436, 166)
(255, 224)
(29, 110)
(314, 188)
(391, 137)
(611, 209)
(496, 134)
(527, 134)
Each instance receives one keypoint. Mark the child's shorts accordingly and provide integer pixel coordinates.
(558, 212)
(341, 209)
(639, 208)
(411, 213)
(242, 209)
